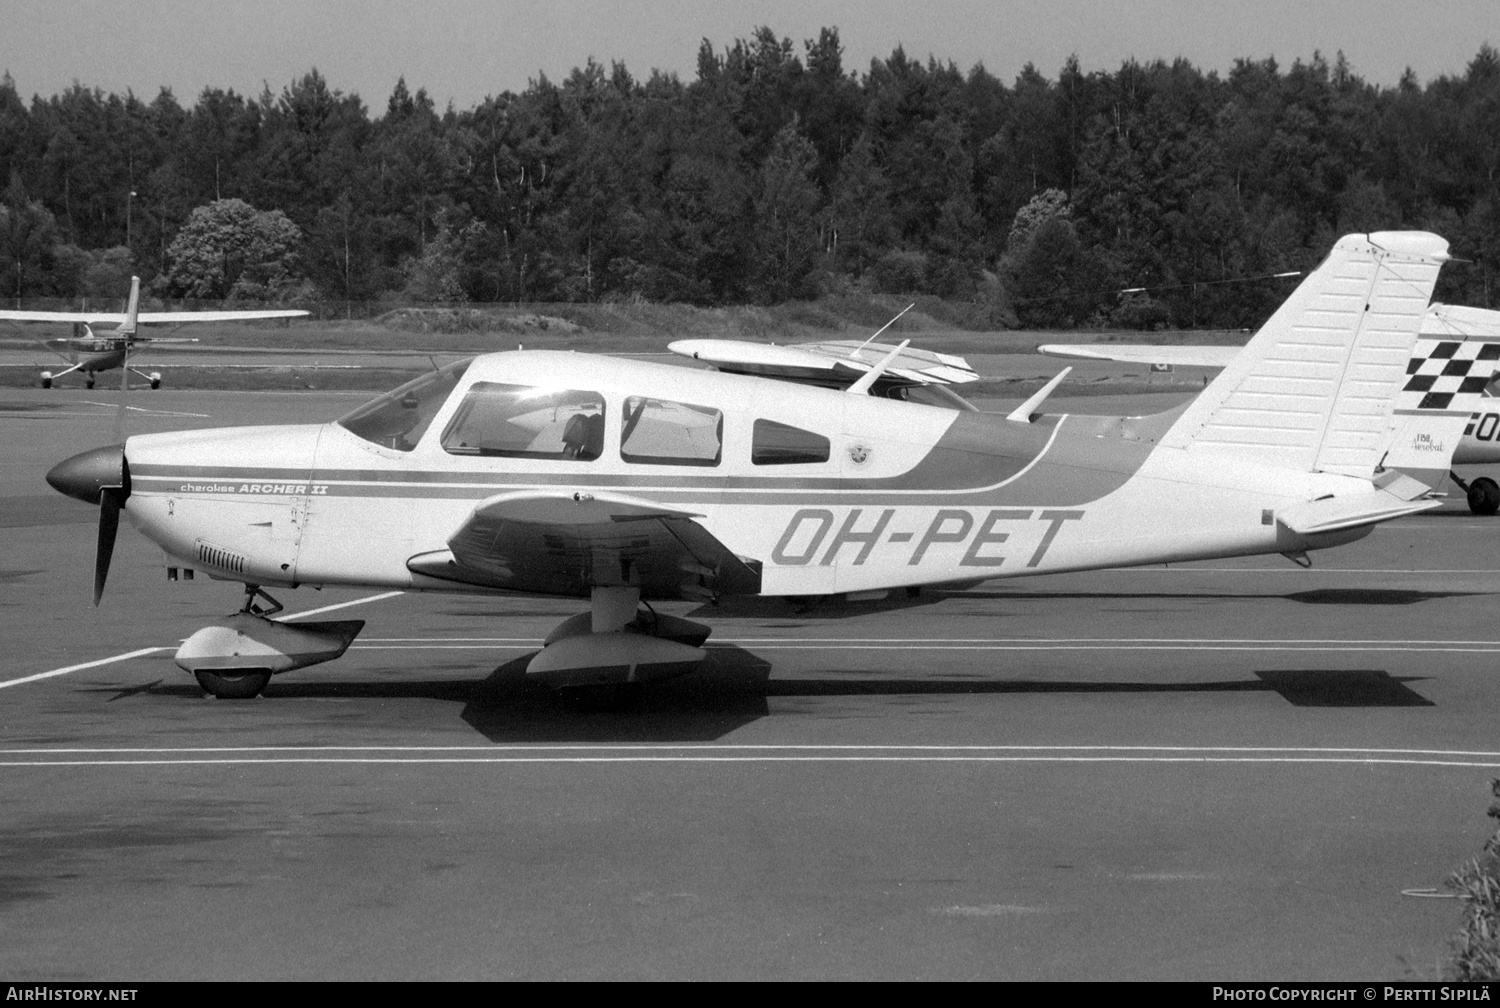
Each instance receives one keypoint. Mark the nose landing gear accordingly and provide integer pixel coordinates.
(234, 658)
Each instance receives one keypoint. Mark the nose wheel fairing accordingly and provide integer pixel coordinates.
(246, 648)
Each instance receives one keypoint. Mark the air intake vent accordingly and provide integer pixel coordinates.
(218, 556)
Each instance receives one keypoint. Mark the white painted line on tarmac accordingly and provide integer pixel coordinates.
(341, 605)
(970, 644)
(140, 409)
(152, 650)
(75, 668)
(630, 747)
(1362, 761)
(748, 753)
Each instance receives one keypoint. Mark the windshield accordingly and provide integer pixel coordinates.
(399, 418)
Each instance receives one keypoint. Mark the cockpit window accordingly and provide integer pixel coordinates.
(399, 418)
(662, 432)
(524, 421)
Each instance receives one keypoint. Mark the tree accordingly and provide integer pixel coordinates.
(786, 235)
(228, 249)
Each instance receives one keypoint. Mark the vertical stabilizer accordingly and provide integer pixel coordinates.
(127, 328)
(1314, 390)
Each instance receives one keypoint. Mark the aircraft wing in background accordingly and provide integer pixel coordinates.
(826, 359)
(1139, 353)
(99, 318)
(1457, 321)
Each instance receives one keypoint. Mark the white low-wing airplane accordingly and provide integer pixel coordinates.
(1449, 325)
(93, 353)
(623, 481)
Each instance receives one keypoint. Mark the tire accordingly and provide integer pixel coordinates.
(241, 684)
(1484, 496)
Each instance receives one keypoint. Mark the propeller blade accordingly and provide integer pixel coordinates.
(111, 499)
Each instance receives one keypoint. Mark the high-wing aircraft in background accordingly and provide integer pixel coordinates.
(625, 482)
(92, 352)
(1448, 324)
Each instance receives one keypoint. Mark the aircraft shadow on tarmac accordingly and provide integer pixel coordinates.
(734, 688)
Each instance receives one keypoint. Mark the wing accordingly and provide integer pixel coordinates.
(89, 318)
(219, 316)
(831, 359)
(97, 318)
(565, 544)
(1135, 353)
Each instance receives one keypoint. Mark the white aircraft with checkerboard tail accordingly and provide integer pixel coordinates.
(626, 482)
(1460, 347)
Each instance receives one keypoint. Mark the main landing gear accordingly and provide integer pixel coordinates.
(154, 378)
(596, 660)
(1483, 494)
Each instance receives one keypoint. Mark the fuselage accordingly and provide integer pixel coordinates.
(96, 353)
(830, 492)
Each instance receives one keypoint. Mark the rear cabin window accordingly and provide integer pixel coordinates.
(662, 432)
(524, 421)
(399, 418)
(782, 444)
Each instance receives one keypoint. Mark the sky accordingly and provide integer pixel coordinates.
(464, 50)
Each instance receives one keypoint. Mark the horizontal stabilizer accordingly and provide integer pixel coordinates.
(1334, 513)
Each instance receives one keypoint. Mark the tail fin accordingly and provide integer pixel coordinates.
(1315, 388)
(133, 309)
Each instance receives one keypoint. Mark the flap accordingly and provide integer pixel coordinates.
(565, 544)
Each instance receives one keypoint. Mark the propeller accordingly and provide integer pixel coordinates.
(111, 500)
(100, 476)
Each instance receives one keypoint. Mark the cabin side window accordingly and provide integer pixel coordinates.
(775, 443)
(399, 418)
(523, 421)
(662, 432)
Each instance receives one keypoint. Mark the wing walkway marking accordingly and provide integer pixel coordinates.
(748, 753)
(142, 652)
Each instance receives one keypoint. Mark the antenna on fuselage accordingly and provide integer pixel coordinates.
(1027, 410)
(862, 387)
